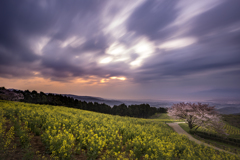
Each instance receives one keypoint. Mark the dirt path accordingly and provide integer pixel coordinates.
(179, 130)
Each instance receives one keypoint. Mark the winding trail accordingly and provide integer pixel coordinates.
(179, 130)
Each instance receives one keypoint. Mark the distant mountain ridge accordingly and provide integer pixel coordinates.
(112, 102)
(87, 98)
(221, 106)
(95, 99)
(229, 110)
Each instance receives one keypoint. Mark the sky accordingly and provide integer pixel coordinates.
(128, 49)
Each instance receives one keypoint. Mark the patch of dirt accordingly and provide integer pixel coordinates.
(12, 154)
(8, 125)
(81, 156)
(38, 148)
(36, 144)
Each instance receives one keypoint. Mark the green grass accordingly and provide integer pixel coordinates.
(159, 116)
(221, 145)
(185, 127)
(163, 117)
(233, 120)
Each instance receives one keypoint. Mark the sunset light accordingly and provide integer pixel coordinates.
(141, 49)
(104, 80)
(106, 60)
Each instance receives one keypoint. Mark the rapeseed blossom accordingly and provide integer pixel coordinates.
(67, 131)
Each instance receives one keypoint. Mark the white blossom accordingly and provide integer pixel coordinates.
(198, 115)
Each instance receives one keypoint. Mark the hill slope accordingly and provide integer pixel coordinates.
(68, 133)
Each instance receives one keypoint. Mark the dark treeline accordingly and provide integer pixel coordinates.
(140, 111)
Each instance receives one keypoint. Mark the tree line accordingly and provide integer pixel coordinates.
(140, 111)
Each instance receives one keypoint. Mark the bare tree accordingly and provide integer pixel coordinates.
(198, 115)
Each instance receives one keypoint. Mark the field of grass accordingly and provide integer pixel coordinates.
(30, 131)
(163, 117)
(232, 132)
(185, 127)
(222, 145)
(233, 120)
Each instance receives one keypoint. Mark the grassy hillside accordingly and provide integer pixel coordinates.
(160, 116)
(163, 117)
(233, 120)
(30, 131)
(232, 132)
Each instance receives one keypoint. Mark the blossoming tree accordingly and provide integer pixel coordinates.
(198, 115)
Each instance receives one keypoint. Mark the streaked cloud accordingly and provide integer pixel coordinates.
(177, 43)
(171, 47)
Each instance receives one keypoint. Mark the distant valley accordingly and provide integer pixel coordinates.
(112, 102)
(222, 107)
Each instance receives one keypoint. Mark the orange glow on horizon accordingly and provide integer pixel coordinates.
(91, 85)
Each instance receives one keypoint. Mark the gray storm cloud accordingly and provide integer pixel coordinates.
(148, 42)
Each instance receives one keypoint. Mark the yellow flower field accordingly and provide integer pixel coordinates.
(68, 133)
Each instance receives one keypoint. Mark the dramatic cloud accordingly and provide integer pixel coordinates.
(145, 48)
(151, 18)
